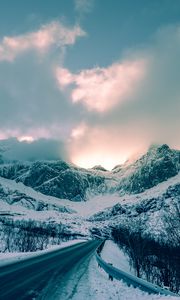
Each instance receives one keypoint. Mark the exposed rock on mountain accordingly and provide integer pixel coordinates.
(99, 168)
(55, 178)
(18, 195)
(157, 165)
(63, 180)
(156, 213)
(146, 194)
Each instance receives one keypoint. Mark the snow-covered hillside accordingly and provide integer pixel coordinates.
(30, 188)
(148, 211)
(44, 203)
(55, 178)
(67, 181)
(157, 165)
(13, 194)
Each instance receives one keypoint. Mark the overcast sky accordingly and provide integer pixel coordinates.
(98, 79)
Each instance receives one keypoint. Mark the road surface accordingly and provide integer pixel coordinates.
(40, 277)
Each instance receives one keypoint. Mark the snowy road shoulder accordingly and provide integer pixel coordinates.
(111, 253)
(95, 285)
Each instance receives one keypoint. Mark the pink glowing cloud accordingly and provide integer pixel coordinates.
(100, 89)
(106, 146)
(51, 34)
(64, 77)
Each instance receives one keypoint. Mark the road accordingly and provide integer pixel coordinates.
(30, 278)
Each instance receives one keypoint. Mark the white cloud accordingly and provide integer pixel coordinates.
(51, 34)
(150, 114)
(31, 105)
(137, 99)
(101, 89)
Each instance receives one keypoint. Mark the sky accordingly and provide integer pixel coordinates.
(94, 82)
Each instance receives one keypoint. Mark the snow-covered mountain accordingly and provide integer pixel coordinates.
(30, 220)
(67, 181)
(55, 178)
(157, 165)
(155, 212)
(18, 198)
(145, 192)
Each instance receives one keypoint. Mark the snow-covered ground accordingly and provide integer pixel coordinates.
(84, 209)
(100, 202)
(94, 284)
(12, 186)
(95, 204)
(78, 221)
(12, 257)
(111, 253)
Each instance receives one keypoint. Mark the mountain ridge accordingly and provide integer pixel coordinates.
(67, 181)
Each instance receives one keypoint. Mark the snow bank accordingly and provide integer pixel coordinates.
(95, 285)
(111, 253)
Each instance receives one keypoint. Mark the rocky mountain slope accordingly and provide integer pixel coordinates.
(155, 213)
(16, 197)
(157, 165)
(55, 178)
(64, 180)
(144, 195)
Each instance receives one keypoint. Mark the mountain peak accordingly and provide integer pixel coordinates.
(159, 148)
(99, 168)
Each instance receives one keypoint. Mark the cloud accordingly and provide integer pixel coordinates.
(108, 146)
(150, 113)
(27, 134)
(100, 89)
(48, 35)
(30, 102)
(41, 149)
(83, 6)
(103, 114)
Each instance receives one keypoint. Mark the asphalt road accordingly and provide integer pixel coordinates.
(26, 280)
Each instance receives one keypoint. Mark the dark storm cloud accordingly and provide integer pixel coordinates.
(42, 149)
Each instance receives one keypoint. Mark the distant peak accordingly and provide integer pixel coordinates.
(99, 167)
(159, 146)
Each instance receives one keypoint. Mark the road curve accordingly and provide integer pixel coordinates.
(26, 279)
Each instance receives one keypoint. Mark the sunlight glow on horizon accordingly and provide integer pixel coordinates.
(105, 161)
(28, 139)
